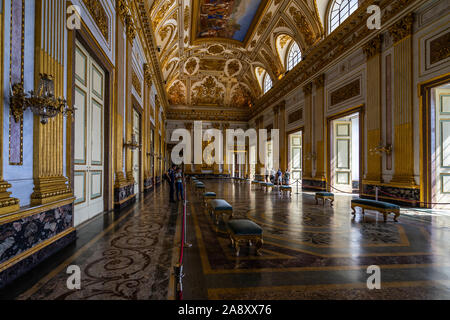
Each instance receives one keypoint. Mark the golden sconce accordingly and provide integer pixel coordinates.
(380, 149)
(42, 103)
(133, 144)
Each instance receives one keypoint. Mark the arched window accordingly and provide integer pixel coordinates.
(294, 56)
(341, 10)
(267, 83)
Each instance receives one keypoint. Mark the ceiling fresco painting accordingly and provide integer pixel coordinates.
(210, 50)
(226, 18)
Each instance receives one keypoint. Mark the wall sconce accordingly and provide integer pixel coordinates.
(42, 103)
(380, 149)
(133, 144)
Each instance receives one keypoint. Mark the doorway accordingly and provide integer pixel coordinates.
(345, 153)
(136, 153)
(295, 152)
(89, 102)
(440, 146)
(252, 162)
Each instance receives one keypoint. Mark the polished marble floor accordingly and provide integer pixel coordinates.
(310, 252)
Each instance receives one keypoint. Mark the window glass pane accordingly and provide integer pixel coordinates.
(267, 83)
(341, 10)
(294, 56)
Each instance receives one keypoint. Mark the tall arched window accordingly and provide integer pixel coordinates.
(341, 10)
(294, 56)
(267, 83)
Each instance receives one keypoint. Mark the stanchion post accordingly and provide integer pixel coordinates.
(376, 193)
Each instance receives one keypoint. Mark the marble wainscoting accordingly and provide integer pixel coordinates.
(124, 196)
(26, 242)
(409, 196)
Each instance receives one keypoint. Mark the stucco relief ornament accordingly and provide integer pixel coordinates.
(208, 92)
(191, 66)
(233, 67)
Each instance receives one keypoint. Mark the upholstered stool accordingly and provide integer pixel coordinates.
(286, 190)
(245, 230)
(268, 185)
(208, 196)
(325, 196)
(220, 207)
(199, 187)
(383, 207)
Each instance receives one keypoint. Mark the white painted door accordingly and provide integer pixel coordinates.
(442, 161)
(343, 155)
(252, 160)
(136, 152)
(89, 123)
(295, 159)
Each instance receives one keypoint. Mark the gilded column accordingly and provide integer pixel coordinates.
(216, 166)
(131, 34)
(226, 169)
(307, 143)
(403, 102)
(282, 127)
(260, 168)
(318, 126)
(7, 204)
(372, 51)
(146, 125)
(50, 184)
(120, 110)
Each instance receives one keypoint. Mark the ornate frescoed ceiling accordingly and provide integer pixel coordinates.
(210, 51)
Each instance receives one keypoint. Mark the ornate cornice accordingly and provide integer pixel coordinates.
(402, 28)
(346, 37)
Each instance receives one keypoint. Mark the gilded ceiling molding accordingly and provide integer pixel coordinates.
(402, 28)
(330, 49)
(303, 25)
(373, 47)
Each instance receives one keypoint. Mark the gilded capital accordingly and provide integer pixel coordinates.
(147, 74)
(373, 47)
(131, 29)
(307, 89)
(276, 109)
(320, 81)
(402, 29)
(122, 8)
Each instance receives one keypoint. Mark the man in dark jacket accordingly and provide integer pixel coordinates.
(170, 175)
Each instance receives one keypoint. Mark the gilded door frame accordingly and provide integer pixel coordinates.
(85, 37)
(357, 109)
(426, 170)
(138, 108)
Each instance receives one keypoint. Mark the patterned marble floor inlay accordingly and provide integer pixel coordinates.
(318, 252)
(131, 261)
(310, 252)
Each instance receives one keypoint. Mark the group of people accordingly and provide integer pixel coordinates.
(278, 177)
(174, 177)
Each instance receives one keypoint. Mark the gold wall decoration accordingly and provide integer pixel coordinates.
(264, 23)
(284, 39)
(233, 67)
(161, 13)
(320, 81)
(99, 15)
(122, 8)
(187, 17)
(439, 48)
(402, 28)
(190, 66)
(136, 82)
(307, 89)
(177, 94)
(216, 49)
(346, 92)
(271, 63)
(241, 97)
(212, 64)
(295, 116)
(303, 25)
(164, 31)
(208, 92)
